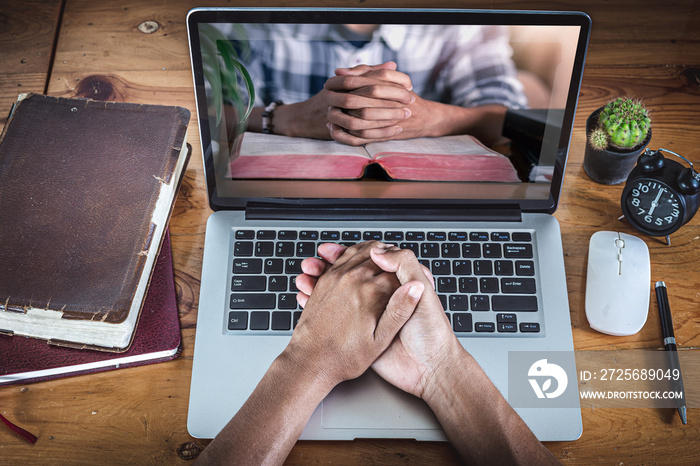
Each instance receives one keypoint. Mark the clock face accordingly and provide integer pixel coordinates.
(653, 206)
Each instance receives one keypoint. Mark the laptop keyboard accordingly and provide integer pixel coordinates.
(486, 280)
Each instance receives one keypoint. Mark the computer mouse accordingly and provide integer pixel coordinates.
(618, 283)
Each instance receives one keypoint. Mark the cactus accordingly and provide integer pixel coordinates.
(598, 139)
(626, 123)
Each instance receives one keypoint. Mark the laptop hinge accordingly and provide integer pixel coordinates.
(481, 213)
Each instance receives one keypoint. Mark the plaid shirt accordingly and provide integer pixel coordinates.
(458, 65)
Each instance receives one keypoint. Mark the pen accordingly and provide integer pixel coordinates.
(670, 345)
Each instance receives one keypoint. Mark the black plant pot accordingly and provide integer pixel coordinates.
(609, 166)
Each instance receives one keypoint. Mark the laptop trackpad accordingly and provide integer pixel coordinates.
(369, 402)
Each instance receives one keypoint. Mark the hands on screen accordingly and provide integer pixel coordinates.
(373, 103)
(358, 105)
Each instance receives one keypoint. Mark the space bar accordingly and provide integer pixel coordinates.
(253, 301)
(514, 303)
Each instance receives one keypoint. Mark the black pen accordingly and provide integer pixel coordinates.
(670, 345)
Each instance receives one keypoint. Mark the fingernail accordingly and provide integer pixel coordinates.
(415, 291)
(398, 130)
(413, 98)
(407, 113)
(329, 126)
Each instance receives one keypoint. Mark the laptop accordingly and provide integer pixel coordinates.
(481, 220)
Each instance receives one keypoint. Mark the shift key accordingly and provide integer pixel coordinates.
(253, 301)
(514, 303)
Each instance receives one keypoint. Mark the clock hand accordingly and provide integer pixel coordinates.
(655, 202)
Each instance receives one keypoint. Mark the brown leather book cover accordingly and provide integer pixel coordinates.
(86, 191)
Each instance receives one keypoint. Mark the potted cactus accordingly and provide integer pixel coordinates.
(617, 133)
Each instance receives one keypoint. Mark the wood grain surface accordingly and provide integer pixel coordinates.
(27, 35)
(647, 49)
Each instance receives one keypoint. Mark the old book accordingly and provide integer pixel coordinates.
(447, 158)
(86, 192)
(156, 339)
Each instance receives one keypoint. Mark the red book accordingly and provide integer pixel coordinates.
(157, 338)
(447, 158)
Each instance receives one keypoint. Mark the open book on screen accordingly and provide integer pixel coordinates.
(447, 158)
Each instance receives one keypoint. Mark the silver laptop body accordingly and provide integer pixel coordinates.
(231, 356)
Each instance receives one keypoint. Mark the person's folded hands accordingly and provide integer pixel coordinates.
(425, 342)
(396, 113)
(366, 99)
(353, 315)
(368, 103)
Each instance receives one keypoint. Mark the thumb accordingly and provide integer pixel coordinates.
(399, 309)
(402, 262)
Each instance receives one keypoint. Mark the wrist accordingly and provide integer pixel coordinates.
(308, 365)
(281, 121)
(287, 121)
(447, 119)
(448, 373)
(440, 121)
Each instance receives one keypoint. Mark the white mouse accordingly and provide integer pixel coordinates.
(618, 283)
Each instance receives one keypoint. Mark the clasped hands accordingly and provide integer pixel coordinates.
(363, 104)
(372, 305)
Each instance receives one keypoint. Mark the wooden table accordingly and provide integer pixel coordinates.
(648, 49)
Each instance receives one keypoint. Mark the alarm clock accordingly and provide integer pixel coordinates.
(660, 195)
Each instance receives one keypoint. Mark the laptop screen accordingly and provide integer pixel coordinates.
(386, 106)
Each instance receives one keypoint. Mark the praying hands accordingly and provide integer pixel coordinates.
(366, 104)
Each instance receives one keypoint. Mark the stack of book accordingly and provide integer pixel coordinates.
(156, 339)
(86, 192)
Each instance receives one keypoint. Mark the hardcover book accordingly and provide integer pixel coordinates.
(86, 192)
(157, 338)
(447, 158)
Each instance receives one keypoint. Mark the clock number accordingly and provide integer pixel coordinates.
(636, 202)
(635, 193)
(643, 188)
